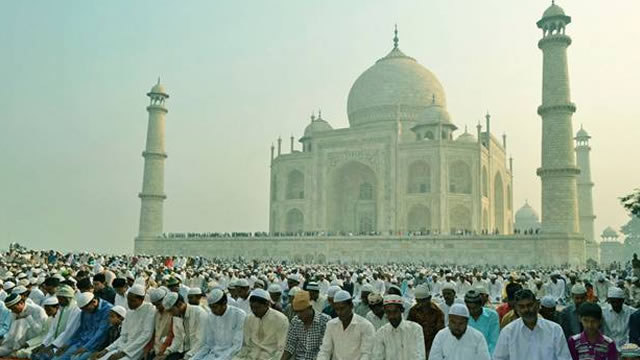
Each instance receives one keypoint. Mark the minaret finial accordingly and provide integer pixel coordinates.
(158, 80)
(395, 37)
(319, 114)
(313, 116)
(553, 2)
(433, 99)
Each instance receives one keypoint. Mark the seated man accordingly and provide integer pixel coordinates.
(29, 321)
(64, 325)
(189, 336)
(51, 308)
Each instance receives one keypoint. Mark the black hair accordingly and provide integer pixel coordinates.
(52, 281)
(259, 300)
(512, 289)
(119, 282)
(84, 284)
(222, 301)
(590, 310)
(524, 294)
(99, 278)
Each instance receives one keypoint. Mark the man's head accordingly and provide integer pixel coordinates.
(275, 292)
(99, 281)
(578, 294)
(51, 306)
(423, 295)
(615, 297)
(376, 304)
(156, 296)
(64, 294)
(173, 284)
(242, 287)
(15, 303)
(548, 307)
(194, 296)
(50, 285)
(449, 294)
(174, 304)
(120, 286)
(526, 305)
(314, 290)
(217, 300)
(394, 308)
(343, 305)
(301, 305)
(474, 303)
(458, 320)
(511, 290)
(293, 280)
(259, 301)
(590, 318)
(87, 302)
(117, 315)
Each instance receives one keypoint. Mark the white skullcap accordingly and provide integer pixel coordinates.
(50, 301)
(19, 290)
(313, 286)
(294, 277)
(448, 286)
(422, 292)
(459, 310)
(293, 291)
(169, 300)
(367, 288)
(215, 296)
(83, 299)
(548, 301)
(12, 300)
(275, 289)
(157, 294)
(331, 292)
(341, 296)
(8, 285)
(137, 290)
(120, 311)
(615, 293)
(578, 289)
(194, 291)
(393, 300)
(24, 282)
(242, 283)
(261, 293)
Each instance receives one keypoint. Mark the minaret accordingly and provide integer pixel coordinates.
(558, 171)
(152, 195)
(585, 187)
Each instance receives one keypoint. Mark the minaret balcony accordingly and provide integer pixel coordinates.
(554, 38)
(567, 108)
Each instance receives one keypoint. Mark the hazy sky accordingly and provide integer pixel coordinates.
(74, 76)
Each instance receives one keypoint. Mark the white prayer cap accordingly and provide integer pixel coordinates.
(393, 300)
(578, 289)
(50, 301)
(261, 293)
(156, 295)
(194, 291)
(313, 286)
(33, 281)
(215, 296)
(19, 290)
(615, 293)
(422, 292)
(137, 290)
(275, 289)
(12, 300)
(333, 289)
(459, 310)
(83, 299)
(242, 283)
(8, 285)
(120, 311)
(548, 302)
(448, 286)
(367, 288)
(24, 282)
(293, 291)
(232, 284)
(294, 277)
(169, 300)
(341, 296)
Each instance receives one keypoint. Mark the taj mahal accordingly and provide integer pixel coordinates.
(403, 183)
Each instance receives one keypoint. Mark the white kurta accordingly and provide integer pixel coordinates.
(190, 335)
(223, 335)
(406, 342)
(353, 343)
(121, 301)
(376, 321)
(471, 345)
(264, 338)
(545, 342)
(137, 329)
(24, 327)
(64, 324)
(616, 325)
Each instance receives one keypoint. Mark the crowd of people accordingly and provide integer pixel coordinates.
(82, 306)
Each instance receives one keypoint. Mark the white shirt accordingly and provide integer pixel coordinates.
(376, 321)
(190, 335)
(137, 329)
(121, 301)
(264, 338)
(556, 290)
(545, 342)
(495, 290)
(353, 343)
(616, 325)
(243, 304)
(70, 317)
(406, 342)
(223, 335)
(471, 345)
(445, 309)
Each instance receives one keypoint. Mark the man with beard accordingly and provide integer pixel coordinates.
(531, 337)
(427, 314)
(616, 317)
(458, 341)
(569, 317)
(398, 340)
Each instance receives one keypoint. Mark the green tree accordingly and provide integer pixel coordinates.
(631, 231)
(631, 202)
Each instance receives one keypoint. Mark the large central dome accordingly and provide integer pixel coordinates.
(396, 86)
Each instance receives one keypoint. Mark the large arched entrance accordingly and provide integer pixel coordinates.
(419, 219)
(352, 198)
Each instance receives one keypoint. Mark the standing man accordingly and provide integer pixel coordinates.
(569, 317)
(362, 306)
(458, 341)
(306, 331)
(482, 319)
(427, 314)
(398, 340)
(376, 316)
(531, 337)
(349, 336)
(616, 317)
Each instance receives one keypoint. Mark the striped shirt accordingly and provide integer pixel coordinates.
(304, 343)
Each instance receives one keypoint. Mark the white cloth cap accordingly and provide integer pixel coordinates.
(8, 285)
(50, 301)
(293, 291)
(275, 289)
(120, 311)
(194, 291)
(615, 293)
(242, 283)
(137, 290)
(367, 288)
(422, 292)
(548, 301)
(341, 296)
(459, 310)
(83, 299)
(331, 292)
(578, 289)
(157, 294)
(215, 296)
(393, 300)
(169, 300)
(19, 290)
(313, 286)
(261, 293)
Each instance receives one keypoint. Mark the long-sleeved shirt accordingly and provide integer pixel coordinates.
(545, 342)
(431, 319)
(487, 324)
(93, 327)
(5, 320)
(223, 335)
(162, 325)
(570, 321)
(137, 329)
(603, 349)
(376, 321)
(471, 345)
(264, 338)
(353, 343)
(64, 325)
(191, 334)
(634, 328)
(616, 325)
(404, 342)
(304, 343)
(35, 318)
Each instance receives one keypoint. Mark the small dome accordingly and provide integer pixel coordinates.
(582, 133)
(467, 138)
(434, 115)
(553, 10)
(316, 126)
(527, 214)
(158, 89)
(609, 232)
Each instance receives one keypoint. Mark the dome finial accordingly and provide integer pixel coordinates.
(319, 114)
(395, 37)
(313, 116)
(158, 80)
